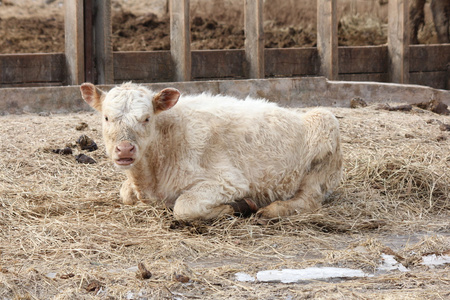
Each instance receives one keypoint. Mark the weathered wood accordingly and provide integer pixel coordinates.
(363, 59)
(376, 77)
(30, 84)
(102, 42)
(254, 38)
(398, 41)
(214, 64)
(89, 49)
(32, 69)
(357, 64)
(74, 41)
(180, 39)
(291, 62)
(154, 66)
(437, 80)
(447, 84)
(327, 38)
(429, 58)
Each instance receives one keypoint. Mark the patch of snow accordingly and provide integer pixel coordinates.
(132, 269)
(296, 275)
(51, 275)
(130, 295)
(135, 295)
(244, 277)
(434, 260)
(390, 263)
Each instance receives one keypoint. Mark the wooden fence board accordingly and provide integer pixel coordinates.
(363, 59)
(89, 49)
(377, 77)
(438, 79)
(254, 38)
(427, 58)
(291, 62)
(180, 39)
(398, 41)
(213, 64)
(32, 68)
(74, 41)
(151, 66)
(356, 64)
(103, 45)
(327, 38)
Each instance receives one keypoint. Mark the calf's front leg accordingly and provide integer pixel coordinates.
(206, 200)
(128, 193)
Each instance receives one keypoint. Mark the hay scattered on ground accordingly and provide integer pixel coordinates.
(65, 235)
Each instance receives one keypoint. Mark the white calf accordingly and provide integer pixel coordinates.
(207, 153)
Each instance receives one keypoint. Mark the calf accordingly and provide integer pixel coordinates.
(203, 154)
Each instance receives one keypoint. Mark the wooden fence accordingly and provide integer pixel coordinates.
(89, 57)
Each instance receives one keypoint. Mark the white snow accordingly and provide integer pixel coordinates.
(51, 275)
(434, 260)
(244, 277)
(390, 263)
(296, 275)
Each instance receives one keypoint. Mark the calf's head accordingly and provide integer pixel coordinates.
(129, 112)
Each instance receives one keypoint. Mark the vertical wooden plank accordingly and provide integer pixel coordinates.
(89, 55)
(74, 41)
(327, 38)
(104, 62)
(180, 39)
(398, 41)
(254, 38)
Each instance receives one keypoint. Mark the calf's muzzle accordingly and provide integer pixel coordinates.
(125, 152)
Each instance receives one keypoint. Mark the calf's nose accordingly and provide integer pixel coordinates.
(125, 149)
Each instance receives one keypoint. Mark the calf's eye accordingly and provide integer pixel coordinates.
(106, 119)
(146, 120)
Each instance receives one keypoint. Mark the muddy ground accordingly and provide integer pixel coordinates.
(31, 26)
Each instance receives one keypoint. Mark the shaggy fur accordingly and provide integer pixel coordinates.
(204, 152)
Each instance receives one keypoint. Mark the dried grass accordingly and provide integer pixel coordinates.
(359, 30)
(65, 235)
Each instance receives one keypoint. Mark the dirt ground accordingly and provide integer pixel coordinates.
(31, 26)
(65, 235)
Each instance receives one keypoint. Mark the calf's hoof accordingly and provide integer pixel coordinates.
(129, 201)
(274, 210)
(127, 194)
(183, 214)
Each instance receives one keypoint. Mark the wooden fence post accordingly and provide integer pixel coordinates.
(74, 41)
(104, 63)
(254, 38)
(398, 41)
(180, 39)
(327, 38)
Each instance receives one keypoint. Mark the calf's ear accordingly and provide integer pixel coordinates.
(92, 95)
(165, 99)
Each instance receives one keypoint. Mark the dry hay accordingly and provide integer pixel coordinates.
(360, 30)
(65, 235)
